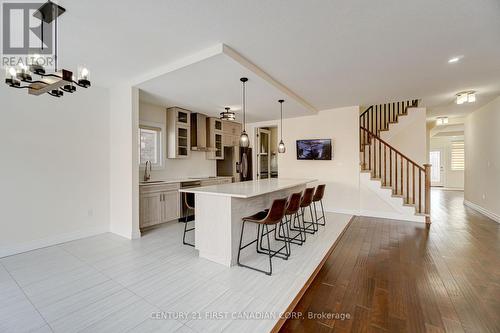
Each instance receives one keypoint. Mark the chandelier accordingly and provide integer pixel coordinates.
(54, 84)
(227, 115)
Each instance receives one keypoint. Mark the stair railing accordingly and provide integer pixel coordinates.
(378, 117)
(406, 178)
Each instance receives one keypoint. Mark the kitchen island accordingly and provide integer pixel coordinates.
(219, 209)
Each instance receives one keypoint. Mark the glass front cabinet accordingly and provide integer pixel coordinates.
(178, 133)
(215, 139)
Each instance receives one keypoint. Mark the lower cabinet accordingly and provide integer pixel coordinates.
(158, 203)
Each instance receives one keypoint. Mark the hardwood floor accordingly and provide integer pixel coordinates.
(397, 276)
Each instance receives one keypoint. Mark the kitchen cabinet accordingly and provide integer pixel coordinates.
(231, 133)
(158, 203)
(150, 209)
(178, 133)
(215, 139)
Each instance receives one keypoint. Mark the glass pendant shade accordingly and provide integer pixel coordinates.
(281, 147)
(244, 140)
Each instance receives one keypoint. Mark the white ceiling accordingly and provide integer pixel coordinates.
(331, 53)
(214, 83)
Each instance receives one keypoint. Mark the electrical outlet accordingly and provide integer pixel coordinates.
(484, 196)
(90, 213)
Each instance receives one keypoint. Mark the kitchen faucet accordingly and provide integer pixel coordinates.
(147, 175)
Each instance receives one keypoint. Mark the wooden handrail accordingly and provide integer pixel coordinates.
(391, 147)
(378, 117)
(404, 180)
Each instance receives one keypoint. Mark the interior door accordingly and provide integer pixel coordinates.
(437, 169)
(263, 150)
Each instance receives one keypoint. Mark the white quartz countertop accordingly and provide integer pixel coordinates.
(250, 188)
(179, 180)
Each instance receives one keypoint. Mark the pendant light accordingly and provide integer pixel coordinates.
(244, 141)
(281, 145)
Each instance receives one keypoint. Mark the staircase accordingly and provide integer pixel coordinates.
(396, 173)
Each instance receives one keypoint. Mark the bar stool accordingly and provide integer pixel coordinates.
(189, 204)
(263, 220)
(291, 220)
(318, 197)
(305, 203)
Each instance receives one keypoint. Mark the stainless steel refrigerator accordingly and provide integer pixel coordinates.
(237, 163)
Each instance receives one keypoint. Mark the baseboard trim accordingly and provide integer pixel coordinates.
(295, 301)
(50, 241)
(483, 211)
(392, 216)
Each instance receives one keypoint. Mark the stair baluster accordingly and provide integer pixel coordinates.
(411, 183)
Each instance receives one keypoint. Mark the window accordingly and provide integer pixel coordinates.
(457, 156)
(150, 145)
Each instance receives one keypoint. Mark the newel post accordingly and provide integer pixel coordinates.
(427, 207)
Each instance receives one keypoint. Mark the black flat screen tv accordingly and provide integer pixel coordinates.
(316, 149)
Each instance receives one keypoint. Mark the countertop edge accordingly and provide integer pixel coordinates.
(242, 196)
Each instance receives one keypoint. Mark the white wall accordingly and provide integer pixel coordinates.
(482, 159)
(124, 185)
(196, 165)
(341, 174)
(54, 169)
(452, 179)
(409, 135)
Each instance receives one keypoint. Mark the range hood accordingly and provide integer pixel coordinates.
(199, 132)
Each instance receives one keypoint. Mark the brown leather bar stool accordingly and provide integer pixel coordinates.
(318, 197)
(189, 204)
(263, 220)
(305, 203)
(291, 220)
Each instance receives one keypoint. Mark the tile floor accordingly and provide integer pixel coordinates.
(110, 284)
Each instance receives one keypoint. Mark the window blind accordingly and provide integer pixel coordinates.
(457, 156)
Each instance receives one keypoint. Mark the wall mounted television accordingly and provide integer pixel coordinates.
(316, 149)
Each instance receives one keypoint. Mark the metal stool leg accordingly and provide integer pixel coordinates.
(256, 240)
(186, 230)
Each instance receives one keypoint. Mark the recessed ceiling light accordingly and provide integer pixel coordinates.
(454, 59)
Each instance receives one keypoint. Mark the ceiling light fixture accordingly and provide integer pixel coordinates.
(441, 121)
(244, 140)
(281, 145)
(466, 97)
(454, 60)
(227, 115)
(55, 83)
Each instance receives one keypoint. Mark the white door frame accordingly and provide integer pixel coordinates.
(258, 131)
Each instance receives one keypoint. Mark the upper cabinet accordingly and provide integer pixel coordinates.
(231, 133)
(215, 139)
(178, 133)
